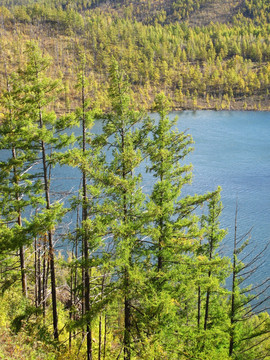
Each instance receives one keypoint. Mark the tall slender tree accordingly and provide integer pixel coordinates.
(88, 158)
(173, 230)
(124, 198)
(247, 330)
(18, 192)
(37, 93)
(213, 235)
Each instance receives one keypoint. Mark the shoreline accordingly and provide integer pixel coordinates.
(249, 104)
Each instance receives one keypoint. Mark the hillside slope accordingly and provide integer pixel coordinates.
(218, 11)
(195, 12)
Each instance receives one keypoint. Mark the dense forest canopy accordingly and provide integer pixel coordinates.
(143, 277)
(210, 65)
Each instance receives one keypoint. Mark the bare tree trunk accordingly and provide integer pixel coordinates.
(105, 337)
(86, 280)
(99, 336)
(207, 306)
(76, 273)
(209, 276)
(160, 246)
(233, 286)
(36, 274)
(199, 308)
(127, 311)
(44, 279)
(23, 272)
(71, 304)
(19, 221)
(53, 287)
(100, 322)
(50, 236)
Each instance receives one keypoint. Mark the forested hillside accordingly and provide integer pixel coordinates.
(109, 269)
(210, 65)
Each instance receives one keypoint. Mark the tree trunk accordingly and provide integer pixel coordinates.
(233, 287)
(71, 303)
(50, 236)
(44, 279)
(105, 337)
(127, 339)
(100, 322)
(23, 272)
(207, 306)
(199, 308)
(85, 236)
(19, 221)
(209, 276)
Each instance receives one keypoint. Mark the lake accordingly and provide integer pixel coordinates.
(232, 149)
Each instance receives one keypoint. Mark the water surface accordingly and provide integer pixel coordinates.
(232, 149)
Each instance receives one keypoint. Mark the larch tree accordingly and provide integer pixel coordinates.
(15, 178)
(248, 309)
(37, 93)
(123, 201)
(213, 236)
(173, 229)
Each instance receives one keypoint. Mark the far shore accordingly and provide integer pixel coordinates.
(247, 104)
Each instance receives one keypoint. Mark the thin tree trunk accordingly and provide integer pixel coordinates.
(50, 236)
(127, 300)
(100, 322)
(85, 236)
(71, 303)
(207, 306)
(99, 336)
(23, 272)
(127, 337)
(38, 273)
(199, 308)
(44, 279)
(233, 287)
(161, 225)
(209, 276)
(160, 246)
(75, 274)
(19, 221)
(105, 337)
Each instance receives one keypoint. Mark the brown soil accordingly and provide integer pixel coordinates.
(218, 11)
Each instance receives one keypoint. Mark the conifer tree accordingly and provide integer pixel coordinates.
(213, 270)
(173, 225)
(37, 91)
(123, 200)
(14, 176)
(249, 321)
(213, 235)
(85, 246)
(88, 158)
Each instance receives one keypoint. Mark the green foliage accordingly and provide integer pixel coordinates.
(151, 260)
(222, 61)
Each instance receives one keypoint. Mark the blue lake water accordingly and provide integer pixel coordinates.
(232, 149)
